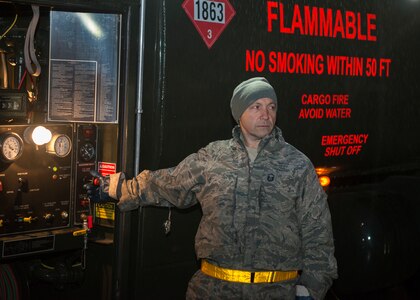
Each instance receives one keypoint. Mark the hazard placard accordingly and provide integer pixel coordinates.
(210, 18)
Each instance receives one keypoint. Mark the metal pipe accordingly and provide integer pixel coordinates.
(123, 227)
(139, 108)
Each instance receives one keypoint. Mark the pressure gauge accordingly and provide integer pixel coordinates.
(87, 151)
(59, 145)
(11, 146)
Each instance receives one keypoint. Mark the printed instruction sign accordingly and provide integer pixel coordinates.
(84, 67)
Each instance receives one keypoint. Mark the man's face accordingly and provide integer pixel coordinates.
(258, 120)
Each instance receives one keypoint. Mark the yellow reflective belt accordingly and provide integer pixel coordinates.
(245, 276)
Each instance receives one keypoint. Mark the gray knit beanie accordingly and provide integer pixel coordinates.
(247, 92)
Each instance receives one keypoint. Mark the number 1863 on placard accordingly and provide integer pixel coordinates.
(209, 11)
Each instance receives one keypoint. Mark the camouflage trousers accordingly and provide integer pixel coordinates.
(204, 287)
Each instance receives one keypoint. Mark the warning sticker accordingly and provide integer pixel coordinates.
(210, 18)
(106, 168)
(105, 211)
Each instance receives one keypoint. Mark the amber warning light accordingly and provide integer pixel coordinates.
(324, 180)
(323, 172)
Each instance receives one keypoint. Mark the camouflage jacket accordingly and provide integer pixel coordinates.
(271, 216)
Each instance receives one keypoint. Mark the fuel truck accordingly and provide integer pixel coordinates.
(123, 86)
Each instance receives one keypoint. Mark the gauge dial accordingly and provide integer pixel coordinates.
(62, 145)
(87, 152)
(59, 145)
(11, 147)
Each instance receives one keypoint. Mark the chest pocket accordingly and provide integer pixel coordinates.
(278, 193)
(220, 192)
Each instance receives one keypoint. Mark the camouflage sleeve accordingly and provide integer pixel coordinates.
(319, 263)
(165, 187)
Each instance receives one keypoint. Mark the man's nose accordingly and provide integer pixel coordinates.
(264, 113)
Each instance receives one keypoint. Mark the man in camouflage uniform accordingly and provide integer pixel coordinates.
(263, 208)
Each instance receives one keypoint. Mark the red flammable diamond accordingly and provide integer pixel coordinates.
(209, 17)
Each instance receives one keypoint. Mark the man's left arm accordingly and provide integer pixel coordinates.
(319, 263)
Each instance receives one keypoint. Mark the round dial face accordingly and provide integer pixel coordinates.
(62, 145)
(87, 152)
(11, 147)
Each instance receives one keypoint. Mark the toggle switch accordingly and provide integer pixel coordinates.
(23, 185)
(49, 218)
(64, 215)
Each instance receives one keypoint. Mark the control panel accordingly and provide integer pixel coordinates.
(86, 159)
(35, 177)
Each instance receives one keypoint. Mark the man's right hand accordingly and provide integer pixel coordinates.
(97, 189)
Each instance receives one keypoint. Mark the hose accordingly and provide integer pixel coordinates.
(29, 49)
